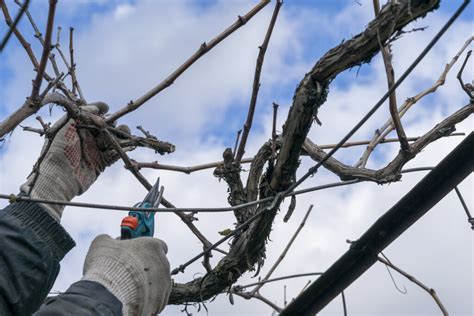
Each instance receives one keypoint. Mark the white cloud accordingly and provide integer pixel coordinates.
(124, 52)
(138, 50)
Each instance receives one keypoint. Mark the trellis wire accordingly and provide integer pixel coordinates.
(14, 198)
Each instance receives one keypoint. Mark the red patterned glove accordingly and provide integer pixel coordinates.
(73, 161)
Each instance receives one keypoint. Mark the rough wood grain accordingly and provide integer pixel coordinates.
(248, 248)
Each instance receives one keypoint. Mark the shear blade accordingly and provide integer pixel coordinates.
(153, 194)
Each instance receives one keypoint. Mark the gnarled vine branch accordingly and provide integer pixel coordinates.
(248, 248)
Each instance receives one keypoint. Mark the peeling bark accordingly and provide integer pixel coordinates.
(248, 248)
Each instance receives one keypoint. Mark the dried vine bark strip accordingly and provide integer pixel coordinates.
(203, 49)
(274, 133)
(248, 248)
(312, 91)
(256, 82)
(430, 291)
(392, 171)
(386, 128)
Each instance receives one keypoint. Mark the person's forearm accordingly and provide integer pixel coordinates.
(32, 244)
(82, 298)
(32, 240)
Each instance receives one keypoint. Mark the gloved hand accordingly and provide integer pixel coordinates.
(136, 271)
(72, 163)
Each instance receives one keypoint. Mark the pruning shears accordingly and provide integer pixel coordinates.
(142, 223)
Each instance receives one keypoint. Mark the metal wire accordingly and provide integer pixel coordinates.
(470, 219)
(262, 211)
(275, 199)
(14, 198)
(420, 57)
(14, 24)
(299, 275)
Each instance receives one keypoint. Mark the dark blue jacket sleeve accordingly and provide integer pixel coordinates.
(82, 298)
(32, 244)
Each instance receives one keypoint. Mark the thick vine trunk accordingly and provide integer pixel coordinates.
(248, 248)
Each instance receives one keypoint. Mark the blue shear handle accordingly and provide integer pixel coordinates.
(146, 224)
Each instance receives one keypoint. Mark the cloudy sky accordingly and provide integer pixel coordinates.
(123, 48)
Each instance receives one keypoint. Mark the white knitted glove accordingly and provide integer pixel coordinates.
(73, 162)
(136, 271)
